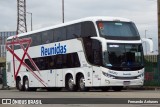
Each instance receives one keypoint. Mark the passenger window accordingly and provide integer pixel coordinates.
(59, 61)
(70, 32)
(88, 29)
(47, 37)
(36, 39)
(97, 53)
(70, 60)
(52, 62)
(76, 60)
(74, 31)
(59, 34)
(27, 61)
(93, 50)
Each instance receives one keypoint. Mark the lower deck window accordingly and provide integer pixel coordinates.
(70, 60)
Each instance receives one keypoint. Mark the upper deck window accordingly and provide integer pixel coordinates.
(118, 30)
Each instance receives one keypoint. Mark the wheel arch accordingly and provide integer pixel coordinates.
(24, 77)
(19, 77)
(67, 75)
(77, 75)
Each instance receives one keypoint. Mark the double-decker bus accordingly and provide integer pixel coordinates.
(93, 52)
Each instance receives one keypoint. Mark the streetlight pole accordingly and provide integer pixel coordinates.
(62, 11)
(31, 20)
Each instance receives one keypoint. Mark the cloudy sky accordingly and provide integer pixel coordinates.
(48, 13)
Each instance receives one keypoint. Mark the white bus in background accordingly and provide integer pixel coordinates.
(94, 52)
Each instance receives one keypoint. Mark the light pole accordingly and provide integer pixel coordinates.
(62, 11)
(31, 19)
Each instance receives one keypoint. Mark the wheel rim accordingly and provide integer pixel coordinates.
(70, 83)
(82, 83)
(19, 85)
(26, 84)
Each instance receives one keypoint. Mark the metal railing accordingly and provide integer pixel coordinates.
(152, 72)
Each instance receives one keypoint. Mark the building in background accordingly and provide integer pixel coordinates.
(3, 37)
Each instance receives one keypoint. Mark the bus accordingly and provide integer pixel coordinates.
(93, 52)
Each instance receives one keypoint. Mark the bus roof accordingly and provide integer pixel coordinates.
(93, 19)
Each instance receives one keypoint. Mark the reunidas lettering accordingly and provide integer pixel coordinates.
(56, 49)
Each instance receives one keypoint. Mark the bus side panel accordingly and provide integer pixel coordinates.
(86, 69)
(35, 82)
(59, 78)
(51, 78)
(88, 76)
(96, 76)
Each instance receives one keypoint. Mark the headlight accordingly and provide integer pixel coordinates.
(108, 75)
(140, 76)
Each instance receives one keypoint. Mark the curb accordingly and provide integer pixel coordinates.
(145, 88)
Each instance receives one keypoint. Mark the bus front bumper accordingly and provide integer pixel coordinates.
(116, 82)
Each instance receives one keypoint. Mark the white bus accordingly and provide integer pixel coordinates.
(93, 52)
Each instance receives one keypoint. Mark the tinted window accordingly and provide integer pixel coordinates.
(88, 29)
(29, 64)
(93, 51)
(59, 34)
(47, 37)
(124, 56)
(73, 31)
(118, 30)
(55, 62)
(36, 39)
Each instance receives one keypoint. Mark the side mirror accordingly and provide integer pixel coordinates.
(150, 42)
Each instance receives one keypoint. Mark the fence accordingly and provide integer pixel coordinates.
(152, 72)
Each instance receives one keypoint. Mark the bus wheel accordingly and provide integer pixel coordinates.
(20, 86)
(70, 84)
(81, 83)
(105, 88)
(117, 88)
(26, 84)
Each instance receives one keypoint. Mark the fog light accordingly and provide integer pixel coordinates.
(107, 81)
(141, 82)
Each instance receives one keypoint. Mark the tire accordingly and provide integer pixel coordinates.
(20, 86)
(105, 88)
(26, 86)
(70, 86)
(81, 84)
(117, 88)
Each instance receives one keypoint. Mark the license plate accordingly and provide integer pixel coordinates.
(126, 83)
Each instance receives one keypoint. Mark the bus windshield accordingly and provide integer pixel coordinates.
(118, 30)
(124, 57)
